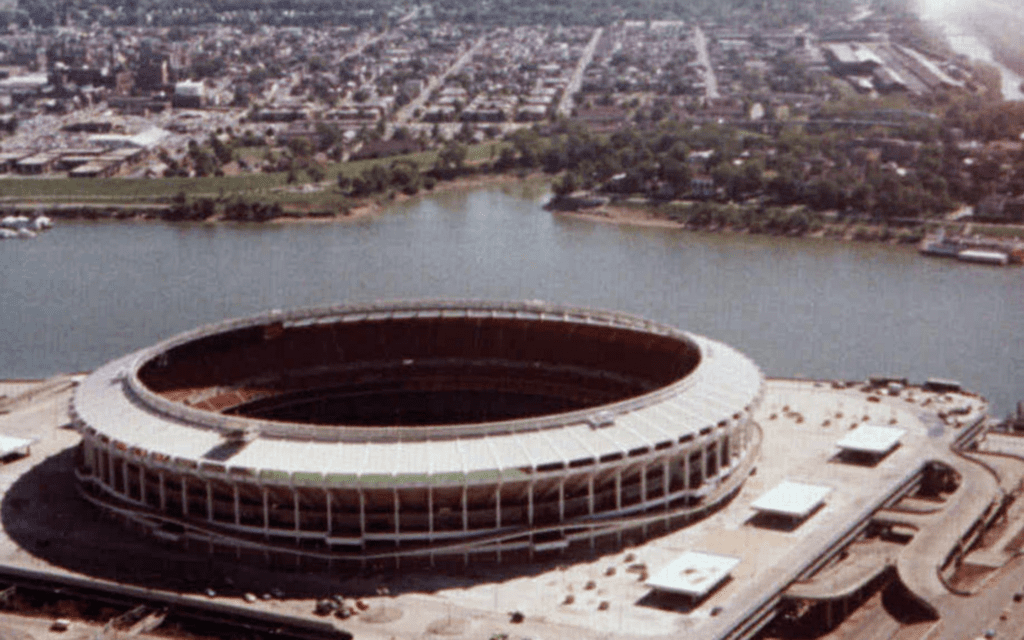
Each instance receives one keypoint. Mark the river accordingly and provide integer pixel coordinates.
(86, 292)
(973, 47)
(949, 15)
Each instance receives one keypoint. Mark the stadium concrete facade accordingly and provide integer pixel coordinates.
(418, 430)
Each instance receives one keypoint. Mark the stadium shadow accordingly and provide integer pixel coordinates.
(43, 514)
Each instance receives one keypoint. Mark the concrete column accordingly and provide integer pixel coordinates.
(618, 489)
(561, 499)
(142, 484)
(465, 508)
(529, 515)
(643, 485)
(184, 495)
(110, 469)
(703, 462)
(124, 477)
(295, 506)
(590, 506)
(497, 507)
(590, 494)
(465, 519)
(330, 519)
(643, 498)
(266, 512)
(238, 505)
(362, 517)
(497, 516)
(430, 513)
(666, 481)
(209, 501)
(398, 526)
(529, 505)
(163, 491)
(723, 460)
(430, 521)
(618, 502)
(686, 470)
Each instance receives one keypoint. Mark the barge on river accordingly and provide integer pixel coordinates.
(980, 250)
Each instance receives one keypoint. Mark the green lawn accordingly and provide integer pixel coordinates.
(262, 186)
(1000, 231)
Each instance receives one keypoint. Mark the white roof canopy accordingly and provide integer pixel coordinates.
(694, 573)
(873, 439)
(10, 445)
(793, 499)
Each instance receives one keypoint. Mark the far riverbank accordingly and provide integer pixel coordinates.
(789, 222)
(778, 222)
(848, 231)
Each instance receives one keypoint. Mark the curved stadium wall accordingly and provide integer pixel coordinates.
(416, 430)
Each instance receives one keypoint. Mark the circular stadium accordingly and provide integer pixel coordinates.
(418, 430)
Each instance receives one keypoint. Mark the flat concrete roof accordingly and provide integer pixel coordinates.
(794, 499)
(695, 573)
(869, 438)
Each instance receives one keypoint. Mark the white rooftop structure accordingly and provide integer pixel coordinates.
(189, 88)
(25, 82)
(150, 137)
(11, 446)
(145, 140)
(793, 499)
(694, 574)
(872, 439)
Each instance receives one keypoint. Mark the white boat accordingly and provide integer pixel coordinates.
(984, 257)
(6, 234)
(42, 222)
(26, 234)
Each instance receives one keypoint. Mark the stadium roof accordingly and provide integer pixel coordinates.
(112, 402)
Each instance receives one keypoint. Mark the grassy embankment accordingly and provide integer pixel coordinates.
(266, 188)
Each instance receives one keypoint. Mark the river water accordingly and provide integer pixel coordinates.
(87, 292)
(952, 16)
(973, 47)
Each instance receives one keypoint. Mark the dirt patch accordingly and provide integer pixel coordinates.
(450, 626)
(381, 613)
(635, 216)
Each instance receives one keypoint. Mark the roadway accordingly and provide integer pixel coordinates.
(403, 115)
(565, 104)
(700, 41)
